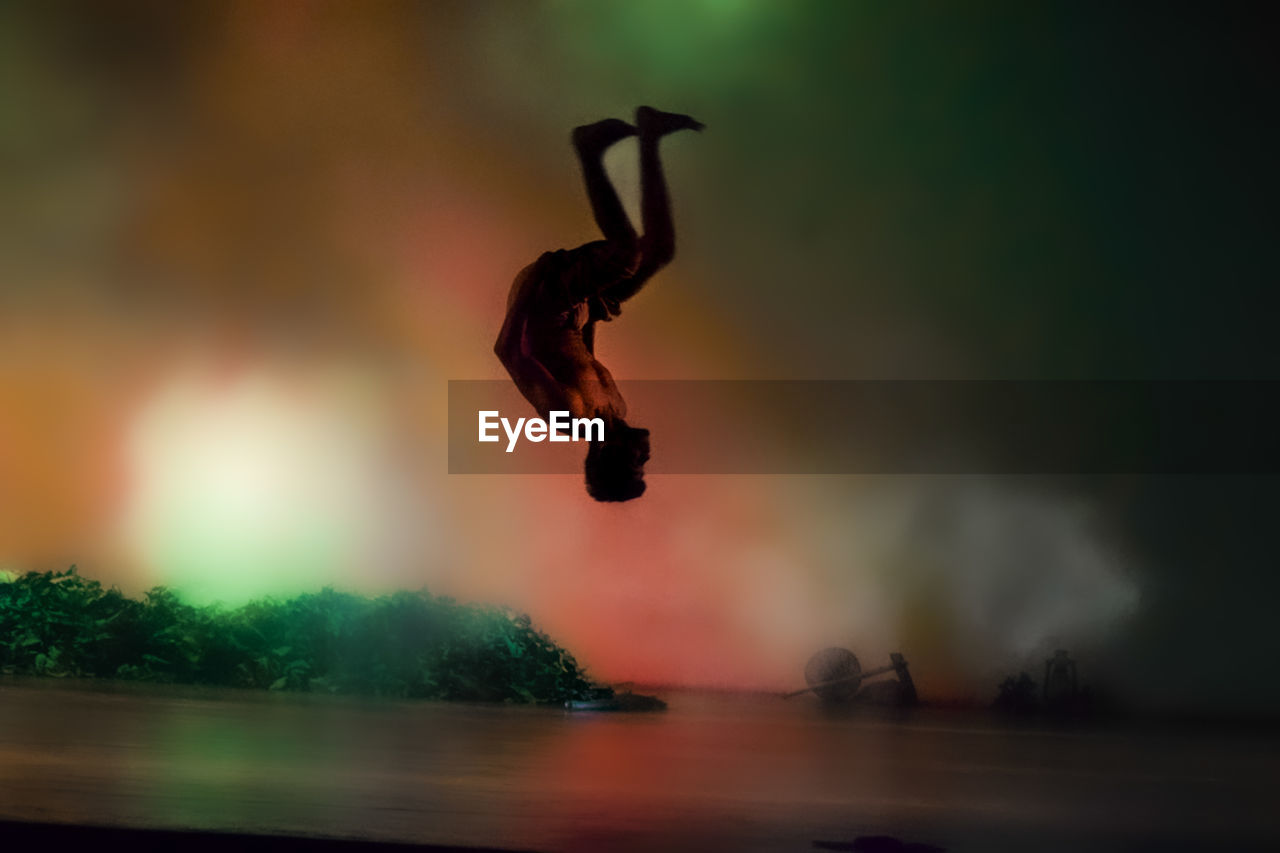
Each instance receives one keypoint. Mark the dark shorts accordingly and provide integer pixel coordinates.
(569, 277)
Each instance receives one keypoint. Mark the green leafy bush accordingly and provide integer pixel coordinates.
(409, 644)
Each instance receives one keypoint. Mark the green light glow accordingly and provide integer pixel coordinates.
(251, 489)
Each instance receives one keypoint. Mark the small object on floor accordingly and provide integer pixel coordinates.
(626, 701)
(834, 675)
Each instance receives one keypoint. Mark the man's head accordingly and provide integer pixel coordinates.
(615, 466)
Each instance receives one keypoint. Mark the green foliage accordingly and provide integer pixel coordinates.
(409, 644)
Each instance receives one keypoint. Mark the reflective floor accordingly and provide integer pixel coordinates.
(715, 772)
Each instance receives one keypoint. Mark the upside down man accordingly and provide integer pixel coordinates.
(547, 341)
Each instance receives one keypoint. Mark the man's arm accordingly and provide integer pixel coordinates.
(535, 382)
(531, 376)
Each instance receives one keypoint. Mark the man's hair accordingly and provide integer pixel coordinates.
(615, 466)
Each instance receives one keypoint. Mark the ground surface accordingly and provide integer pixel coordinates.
(715, 772)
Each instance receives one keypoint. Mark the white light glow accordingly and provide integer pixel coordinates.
(255, 486)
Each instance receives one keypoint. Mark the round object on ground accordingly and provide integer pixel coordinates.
(833, 664)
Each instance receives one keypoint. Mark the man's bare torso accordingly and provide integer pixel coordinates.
(557, 327)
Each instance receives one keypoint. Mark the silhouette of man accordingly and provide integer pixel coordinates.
(547, 342)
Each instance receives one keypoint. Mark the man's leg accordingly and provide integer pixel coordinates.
(658, 245)
(591, 141)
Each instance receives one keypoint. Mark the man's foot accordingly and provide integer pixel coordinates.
(595, 138)
(653, 122)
